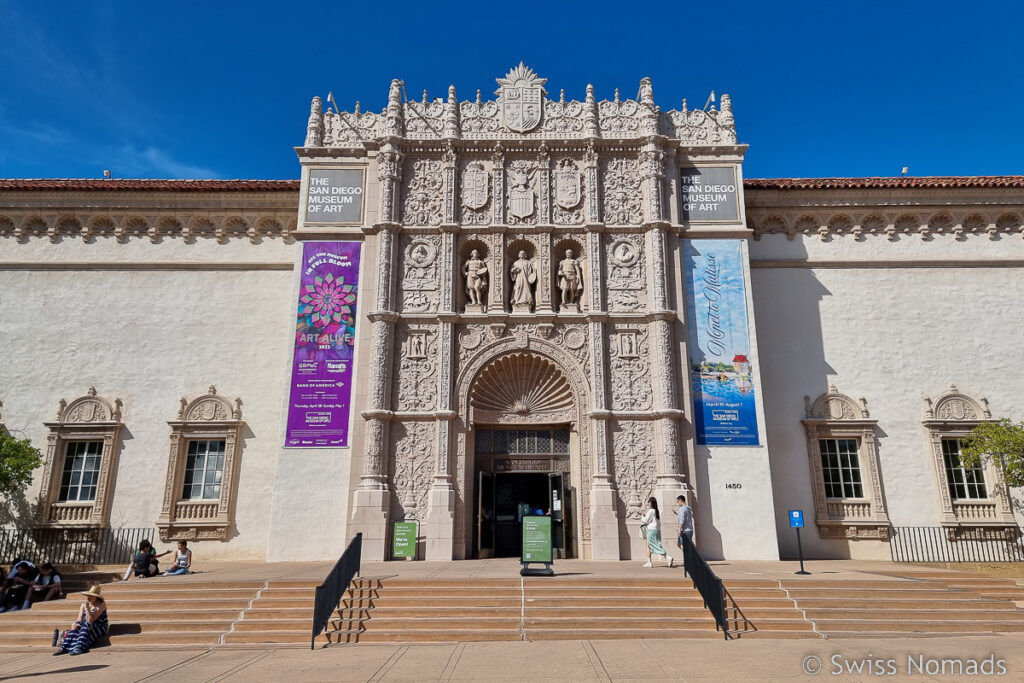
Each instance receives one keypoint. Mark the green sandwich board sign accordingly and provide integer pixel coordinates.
(536, 543)
(403, 540)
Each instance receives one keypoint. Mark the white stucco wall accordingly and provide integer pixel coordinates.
(892, 335)
(150, 337)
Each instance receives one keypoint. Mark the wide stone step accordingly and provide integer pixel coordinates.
(174, 620)
(420, 636)
(949, 605)
(442, 623)
(635, 624)
(304, 625)
(917, 614)
(177, 595)
(906, 626)
(412, 601)
(613, 602)
(622, 634)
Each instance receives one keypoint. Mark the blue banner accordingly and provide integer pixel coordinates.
(725, 410)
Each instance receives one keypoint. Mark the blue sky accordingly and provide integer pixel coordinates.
(222, 89)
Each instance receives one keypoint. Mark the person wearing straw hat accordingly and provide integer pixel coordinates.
(90, 625)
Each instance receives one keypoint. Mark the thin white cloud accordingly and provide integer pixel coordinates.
(157, 161)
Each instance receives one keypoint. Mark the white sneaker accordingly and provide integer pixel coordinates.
(670, 561)
(648, 564)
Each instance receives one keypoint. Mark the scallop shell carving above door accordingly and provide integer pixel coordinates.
(521, 387)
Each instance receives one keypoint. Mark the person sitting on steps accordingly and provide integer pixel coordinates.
(145, 562)
(91, 624)
(182, 560)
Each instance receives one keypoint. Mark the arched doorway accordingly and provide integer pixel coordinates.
(521, 448)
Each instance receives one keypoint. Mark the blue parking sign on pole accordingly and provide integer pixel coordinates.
(796, 521)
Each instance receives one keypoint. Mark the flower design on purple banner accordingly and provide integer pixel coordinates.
(327, 303)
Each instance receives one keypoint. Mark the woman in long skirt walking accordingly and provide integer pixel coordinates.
(652, 522)
(90, 625)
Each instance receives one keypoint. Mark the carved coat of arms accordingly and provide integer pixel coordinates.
(474, 186)
(568, 186)
(520, 194)
(521, 99)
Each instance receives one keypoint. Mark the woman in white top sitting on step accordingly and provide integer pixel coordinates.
(652, 523)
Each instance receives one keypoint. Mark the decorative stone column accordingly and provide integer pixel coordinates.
(439, 525)
(670, 482)
(604, 523)
(371, 505)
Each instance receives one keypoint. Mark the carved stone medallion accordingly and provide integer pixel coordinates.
(521, 99)
(624, 253)
(475, 185)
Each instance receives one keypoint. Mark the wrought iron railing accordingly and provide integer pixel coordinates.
(933, 544)
(706, 582)
(72, 545)
(328, 594)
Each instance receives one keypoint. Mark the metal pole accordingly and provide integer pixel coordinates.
(800, 551)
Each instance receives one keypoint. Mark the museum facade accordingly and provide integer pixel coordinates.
(468, 311)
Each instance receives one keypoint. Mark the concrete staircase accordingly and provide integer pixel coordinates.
(173, 611)
(933, 604)
(396, 610)
(194, 611)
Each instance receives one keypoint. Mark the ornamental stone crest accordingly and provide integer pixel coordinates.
(474, 185)
(568, 184)
(520, 193)
(521, 99)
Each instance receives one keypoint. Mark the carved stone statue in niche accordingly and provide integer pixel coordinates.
(475, 271)
(570, 282)
(524, 277)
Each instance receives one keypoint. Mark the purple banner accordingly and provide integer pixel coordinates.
(321, 390)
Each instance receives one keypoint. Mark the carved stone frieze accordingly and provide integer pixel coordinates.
(620, 190)
(626, 272)
(348, 129)
(422, 192)
(523, 110)
(630, 367)
(635, 469)
(412, 468)
(827, 224)
(415, 386)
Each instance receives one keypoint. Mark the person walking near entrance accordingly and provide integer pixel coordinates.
(652, 524)
(685, 515)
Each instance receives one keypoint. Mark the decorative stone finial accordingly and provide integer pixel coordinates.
(92, 391)
(616, 96)
(646, 91)
(590, 114)
(181, 408)
(212, 391)
(395, 94)
(236, 414)
(726, 117)
(315, 125)
(450, 121)
(117, 410)
(358, 110)
(61, 407)
(561, 96)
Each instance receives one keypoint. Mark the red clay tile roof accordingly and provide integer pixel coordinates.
(93, 184)
(883, 183)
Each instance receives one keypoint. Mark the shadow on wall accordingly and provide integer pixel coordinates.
(787, 305)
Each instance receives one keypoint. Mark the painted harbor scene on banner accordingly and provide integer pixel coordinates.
(725, 410)
(322, 364)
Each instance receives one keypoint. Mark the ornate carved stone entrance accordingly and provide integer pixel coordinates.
(521, 381)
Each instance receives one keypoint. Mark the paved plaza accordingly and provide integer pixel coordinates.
(619, 660)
